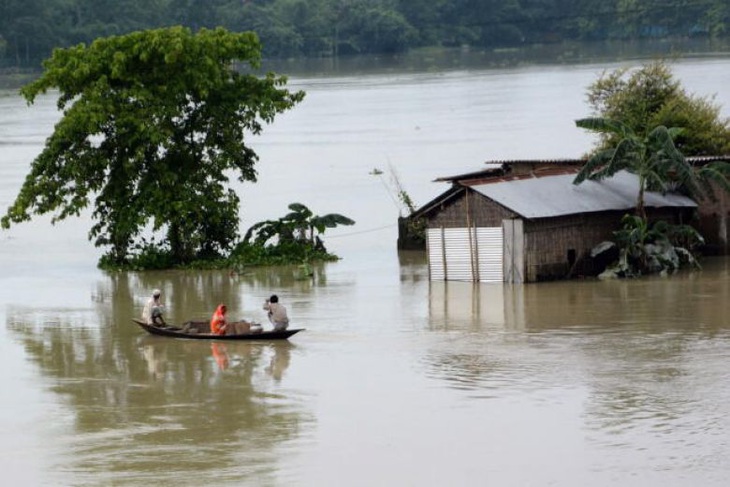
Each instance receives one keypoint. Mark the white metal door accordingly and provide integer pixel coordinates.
(456, 254)
(436, 256)
(489, 251)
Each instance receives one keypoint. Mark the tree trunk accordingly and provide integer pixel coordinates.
(176, 247)
(640, 209)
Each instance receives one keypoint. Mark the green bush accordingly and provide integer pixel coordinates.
(643, 248)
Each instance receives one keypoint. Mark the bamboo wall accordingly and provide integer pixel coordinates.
(483, 213)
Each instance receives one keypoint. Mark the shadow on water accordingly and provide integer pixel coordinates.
(148, 408)
(413, 266)
(689, 301)
(640, 352)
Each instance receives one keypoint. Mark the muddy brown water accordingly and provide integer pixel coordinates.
(396, 380)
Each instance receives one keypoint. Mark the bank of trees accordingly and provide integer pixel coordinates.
(30, 29)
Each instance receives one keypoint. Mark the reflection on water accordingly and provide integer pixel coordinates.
(648, 357)
(413, 266)
(249, 360)
(444, 59)
(466, 305)
(632, 371)
(688, 299)
(148, 408)
(193, 295)
(397, 380)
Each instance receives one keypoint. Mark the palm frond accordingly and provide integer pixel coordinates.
(661, 140)
(253, 229)
(714, 174)
(655, 182)
(331, 220)
(603, 125)
(621, 158)
(299, 208)
(594, 163)
(670, 161)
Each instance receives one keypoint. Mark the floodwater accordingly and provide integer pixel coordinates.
(396, 380)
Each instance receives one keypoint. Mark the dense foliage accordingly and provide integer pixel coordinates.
(649, 97)
(661, 167)
(633, 108)
(29, 29)
(293, 238)
(153, 123)
(647, 123)
(644, 248)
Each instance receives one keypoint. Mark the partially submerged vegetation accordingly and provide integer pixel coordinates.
(153, 123)
(295, 238)
(633, 112)
(642, 248)
(169, 177)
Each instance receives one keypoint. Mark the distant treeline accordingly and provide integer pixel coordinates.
(30, 29)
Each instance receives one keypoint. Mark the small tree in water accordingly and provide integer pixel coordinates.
(293, 238)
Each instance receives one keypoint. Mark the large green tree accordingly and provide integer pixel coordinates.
(649, 97)
(153, 124)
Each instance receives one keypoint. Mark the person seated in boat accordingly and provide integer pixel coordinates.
(277, 313)
(218, 322)
(152, 312)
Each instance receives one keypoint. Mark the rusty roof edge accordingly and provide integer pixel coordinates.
(482, 172)
(504, 165)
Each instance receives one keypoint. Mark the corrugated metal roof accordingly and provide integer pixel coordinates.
(551, 196)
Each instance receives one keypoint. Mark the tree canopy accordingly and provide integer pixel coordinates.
(152, 123)
(30, 29)
(649, 97)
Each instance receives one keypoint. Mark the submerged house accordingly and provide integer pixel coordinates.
(531, 225)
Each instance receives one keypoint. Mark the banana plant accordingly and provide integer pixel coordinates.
(645, 249)
(300, 224)
(653, 158)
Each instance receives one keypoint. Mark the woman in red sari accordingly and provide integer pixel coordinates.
(219, 355)
(218, 322)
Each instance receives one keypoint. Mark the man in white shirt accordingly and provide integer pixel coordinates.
(152, 312)
(277, 313)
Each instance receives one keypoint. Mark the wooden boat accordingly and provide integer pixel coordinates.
(179, 332)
